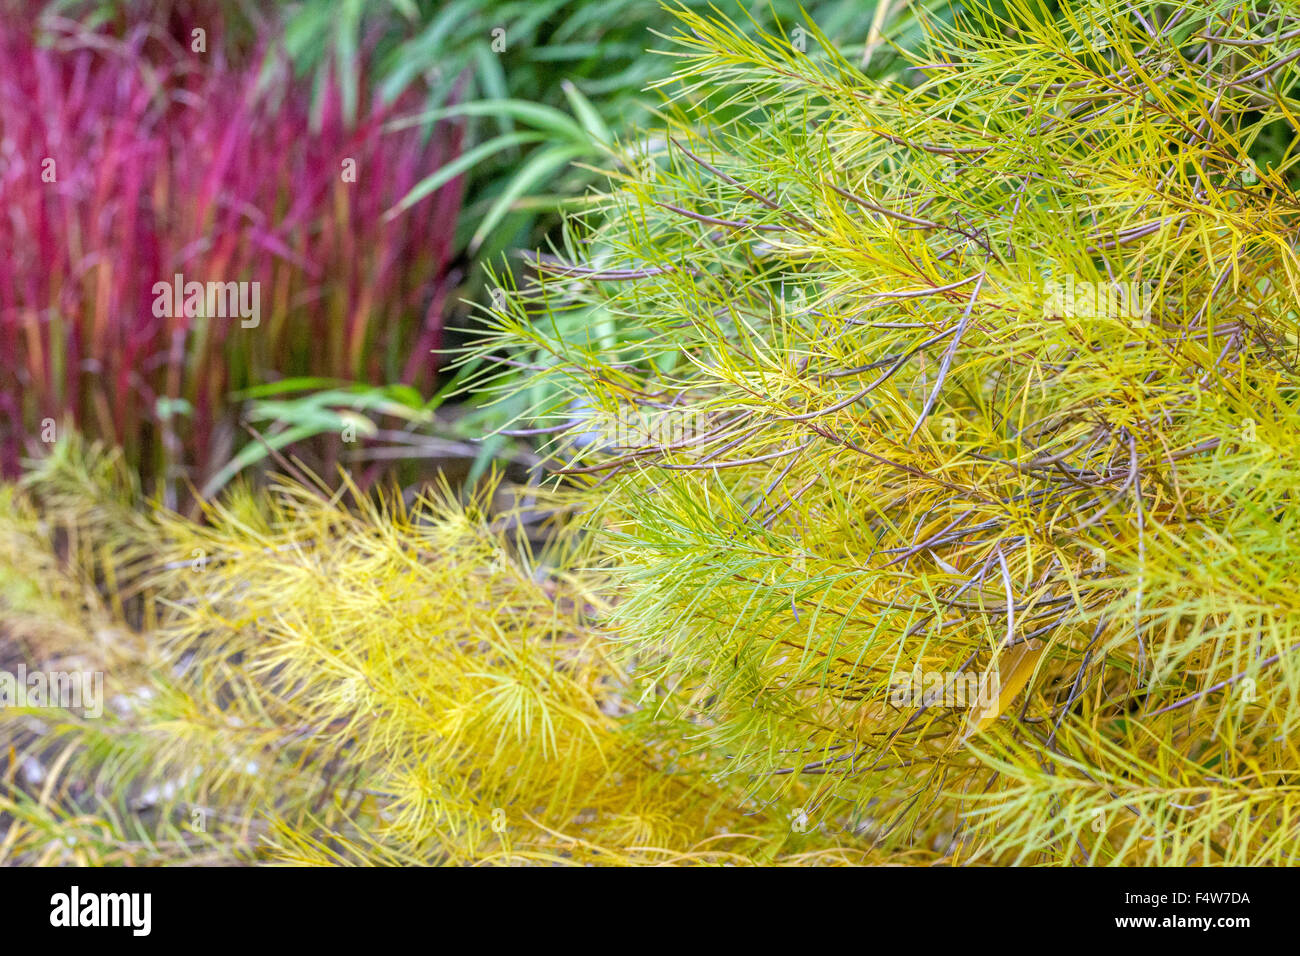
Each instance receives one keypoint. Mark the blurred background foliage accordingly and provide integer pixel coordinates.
(583, 66)
(135, 158)
(476, 124)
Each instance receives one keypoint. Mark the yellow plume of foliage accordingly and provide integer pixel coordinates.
(338, 680)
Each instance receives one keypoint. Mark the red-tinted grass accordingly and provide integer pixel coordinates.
(167, 161)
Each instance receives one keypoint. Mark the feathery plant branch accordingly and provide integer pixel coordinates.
(341, 679)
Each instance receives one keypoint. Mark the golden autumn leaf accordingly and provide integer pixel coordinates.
(1014, 668)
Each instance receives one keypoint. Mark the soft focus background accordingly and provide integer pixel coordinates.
(370, 165)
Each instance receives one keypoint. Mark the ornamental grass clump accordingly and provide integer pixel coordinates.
(983, 527)
(131, 165)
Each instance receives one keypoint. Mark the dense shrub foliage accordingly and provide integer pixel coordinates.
(989, 375)
(326, 681)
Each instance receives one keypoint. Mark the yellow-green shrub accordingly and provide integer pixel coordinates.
(908, 450)
(909, 455)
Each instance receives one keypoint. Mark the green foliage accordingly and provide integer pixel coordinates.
(584, 60)
(549, 92)
(548, 83)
